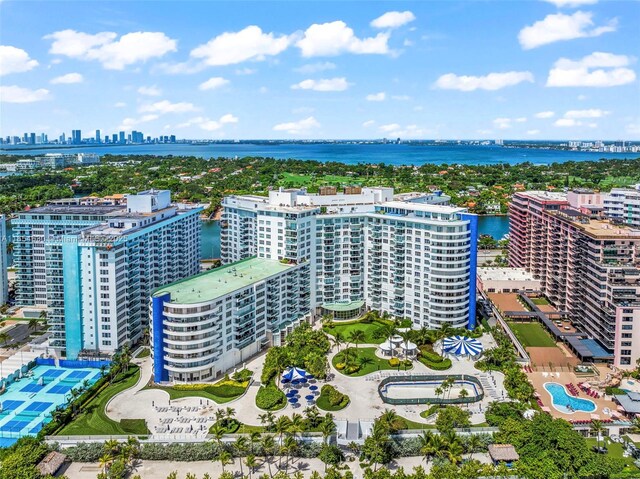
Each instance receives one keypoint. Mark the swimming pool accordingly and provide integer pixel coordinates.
(27, 404)
(421, 389)
(565, 403)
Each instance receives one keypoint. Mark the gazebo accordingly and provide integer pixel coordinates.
(409, 347)
(387, 348)
(462, 346)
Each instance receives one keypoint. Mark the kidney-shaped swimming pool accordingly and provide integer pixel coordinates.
(564, 402)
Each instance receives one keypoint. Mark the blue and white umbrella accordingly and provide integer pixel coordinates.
(462, 346)
(293, 374)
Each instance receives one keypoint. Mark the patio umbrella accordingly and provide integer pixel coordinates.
(313, 388)
(409, 346)
(293, 400)
(302, 381)
(310, 397)
(462, 346)
(387, 346)
(294, 373)
(292, 393)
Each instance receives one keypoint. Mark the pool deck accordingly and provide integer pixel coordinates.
(539, 378)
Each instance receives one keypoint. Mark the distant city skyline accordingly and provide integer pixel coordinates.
(539, 70)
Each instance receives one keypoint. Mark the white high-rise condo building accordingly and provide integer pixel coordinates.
(412, 256)
(4, 282)
(97, 265)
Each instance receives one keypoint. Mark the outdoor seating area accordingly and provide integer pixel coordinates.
(462, 346)
(396, 346)
(301, 386)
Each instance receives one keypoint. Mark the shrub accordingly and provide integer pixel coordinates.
(134, 426)
(442, 365)
(242, 376)
(407, 363)
(352, 369)
(270, 398)
(331, 399)
(431, 356)
(610, 391)
(394, 362)
(340, 366)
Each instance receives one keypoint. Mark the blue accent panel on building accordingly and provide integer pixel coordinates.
(72, 298)
(473, 229)
(160, 374)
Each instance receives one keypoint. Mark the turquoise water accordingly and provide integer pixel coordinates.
(28, 403)
(496, 226)
(390, 154)
(566, 403)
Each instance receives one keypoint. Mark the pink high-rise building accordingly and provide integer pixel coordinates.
(586, 265)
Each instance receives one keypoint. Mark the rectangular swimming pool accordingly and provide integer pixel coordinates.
(27, 404)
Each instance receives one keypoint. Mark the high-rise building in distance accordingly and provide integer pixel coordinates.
(76, 137)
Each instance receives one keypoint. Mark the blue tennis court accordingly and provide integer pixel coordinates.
(37, 407)
(59, 389)
(10, 405)
(32, 388)
(16, 424)
(53, 373)
(77, 374)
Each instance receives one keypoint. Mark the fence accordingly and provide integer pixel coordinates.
(72, 363)
(423, 400)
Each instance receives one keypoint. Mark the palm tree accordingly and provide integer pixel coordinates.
(225, 458)
(474, 443)
(597, 427)
(268, 447)
(229, 415)
(354, 447)
(254, 438)
(280, 427)
(240, 445)
(364, 361)
(327, 428)
(406, 336)
(290, 446)
(426, 445)
(297, 424)
(4, 337)
(217, 431)
(251, 462)
(454, 452)
(391, 419)
(312, 414)
(357, 336)
(438, 391)
(463, 394)
(267, 419)
(33, 324)
(111, 447)
(337, 340)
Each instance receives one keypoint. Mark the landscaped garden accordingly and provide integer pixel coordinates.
(362, 361)
(331, 399)
(532, 334)
(539, 301)
(93, 419)
(223, 391)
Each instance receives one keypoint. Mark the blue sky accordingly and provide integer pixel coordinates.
(539, 69)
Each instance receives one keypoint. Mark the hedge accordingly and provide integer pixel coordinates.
(270, 398)
(331, 399)
(437, 366)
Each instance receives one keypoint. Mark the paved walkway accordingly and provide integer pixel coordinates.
(161, 469)
(192, 416)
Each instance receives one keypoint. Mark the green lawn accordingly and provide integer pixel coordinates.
(145, 353)
(94, 421)
(323, 403)
(539, 301)
(377, 363)
(369, 330)
(615, 450)
(207, 391)
(532, 334)
(295, 179)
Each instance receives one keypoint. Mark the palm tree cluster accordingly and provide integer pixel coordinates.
(118, 458)
(448, 446)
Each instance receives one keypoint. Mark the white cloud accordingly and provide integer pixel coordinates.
(545, 114)
(113, 54)
(533, 132)
(67, 79)
(591, 113)
(502, 123)
(324, 84)
(599, 69)
(633, 128)
(368, 123)
(395, 130)
(245, 71)
(120, 104)
(16, 94)
(558, 27)
(183, 68)
(582, 97)
(492, 81)
(298, 127)
(334, 38)
(311, 68)
(130, 123)
(566, 122)
(165, 106)
(389, 127)
(213, 83)
(393, 19)
(228, 118)
(380, 96)
(207, 124)
(150, 90)
(15, 60)
(230, 48)
(571, 3)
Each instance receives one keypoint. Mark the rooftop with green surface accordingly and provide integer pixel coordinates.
(221, 281)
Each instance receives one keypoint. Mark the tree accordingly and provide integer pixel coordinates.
(330, 454)
(327, 428)
(356, 337)
(597, 427)
(251, 463)
(391, 420)
(225, 458)
(4, 338)
(33, 324)
(452, 417)
(364, 361)
(240, 445)
(427, 445)
(438, 392)
(463, 393)
(337, 340)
